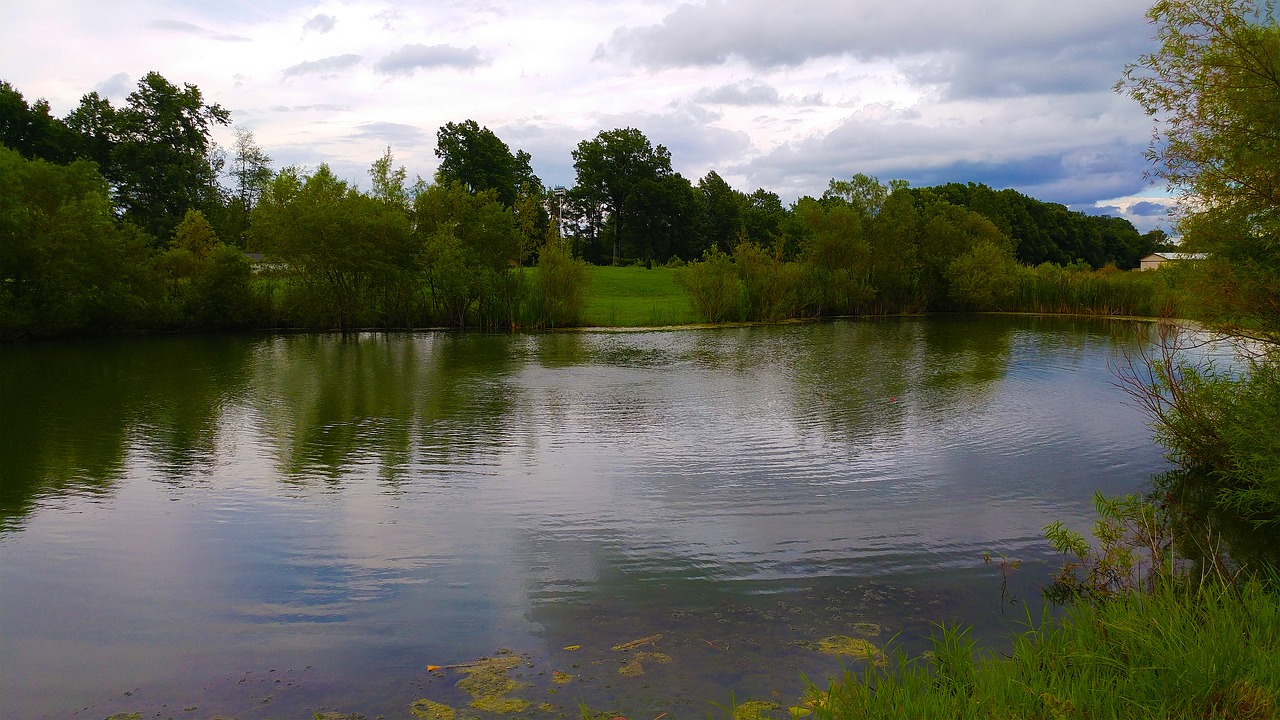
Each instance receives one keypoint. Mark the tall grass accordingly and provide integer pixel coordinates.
(1076, 290)
(1185, 650)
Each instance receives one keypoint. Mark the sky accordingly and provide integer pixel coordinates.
(777, 94)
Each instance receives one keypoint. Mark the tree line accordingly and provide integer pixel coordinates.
(133, 218)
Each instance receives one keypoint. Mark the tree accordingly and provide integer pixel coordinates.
(160, 162)
(984, 277)
(350, 256)
(863, 192)
(475, 157)
(664, 209)
(93, 124)
(763, 217)
(613, 166)
(250, 174)
(389, 181)
(32, 130)
(560, 287)
(470, 245)
(65, 265)
(722, 210)
(1214, 87)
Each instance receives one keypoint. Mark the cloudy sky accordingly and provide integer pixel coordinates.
(779, 94)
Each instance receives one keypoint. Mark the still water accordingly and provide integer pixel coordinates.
(267, 526)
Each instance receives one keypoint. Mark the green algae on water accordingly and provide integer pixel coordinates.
(866, 629)
(843, 645)
(756, 710)
(488, 681)
(635, 666)
(429, 710)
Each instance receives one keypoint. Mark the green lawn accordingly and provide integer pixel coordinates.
(636, 297)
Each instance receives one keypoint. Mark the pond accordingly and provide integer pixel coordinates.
(272, 525)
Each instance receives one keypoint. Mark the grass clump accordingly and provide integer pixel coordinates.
(1182, 650)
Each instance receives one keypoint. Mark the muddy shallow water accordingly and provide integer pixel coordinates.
(267, 526)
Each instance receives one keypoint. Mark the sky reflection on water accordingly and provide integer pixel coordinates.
(178, 512)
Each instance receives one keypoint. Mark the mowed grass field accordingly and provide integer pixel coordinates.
(636, 297)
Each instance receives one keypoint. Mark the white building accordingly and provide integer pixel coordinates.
(1155, 260)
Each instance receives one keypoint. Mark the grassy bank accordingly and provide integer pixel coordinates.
(636, 297)
(1184, 651)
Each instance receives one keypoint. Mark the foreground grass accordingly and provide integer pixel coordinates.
(1180, 652)
(636, 297)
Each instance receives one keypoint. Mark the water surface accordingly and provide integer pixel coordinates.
(263, 526)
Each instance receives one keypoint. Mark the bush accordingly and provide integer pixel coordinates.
(560, 288)
(714, 287)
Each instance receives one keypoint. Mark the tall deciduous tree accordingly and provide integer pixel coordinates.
(161, 160)
(614, 166)
(31, 129)
(250, 168)
(469, 244)
(65, 265)
(1214, 87)
(478, 159)
(722, 209)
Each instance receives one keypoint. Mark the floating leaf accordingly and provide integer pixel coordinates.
(432, 668)
(572, 647)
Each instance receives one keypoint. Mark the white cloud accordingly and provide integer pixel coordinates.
(320, 23)
(324, 66)
(783, 94)
(410, 58)
(193, 29)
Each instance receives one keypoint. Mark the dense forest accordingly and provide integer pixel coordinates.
(132, 218)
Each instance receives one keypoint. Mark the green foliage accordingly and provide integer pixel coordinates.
(31, 129)
(1220, 427)
(714, 287)
(1214, 87)
(560, 288)
(476, 158)
(159, 161)
(350, 258)
(614, 169)
(722, 213)
(65, 265)
(469, 248)
(769, 286)
(985, 276)
(1112, 569)
(1047, 232)
(1049, 288)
